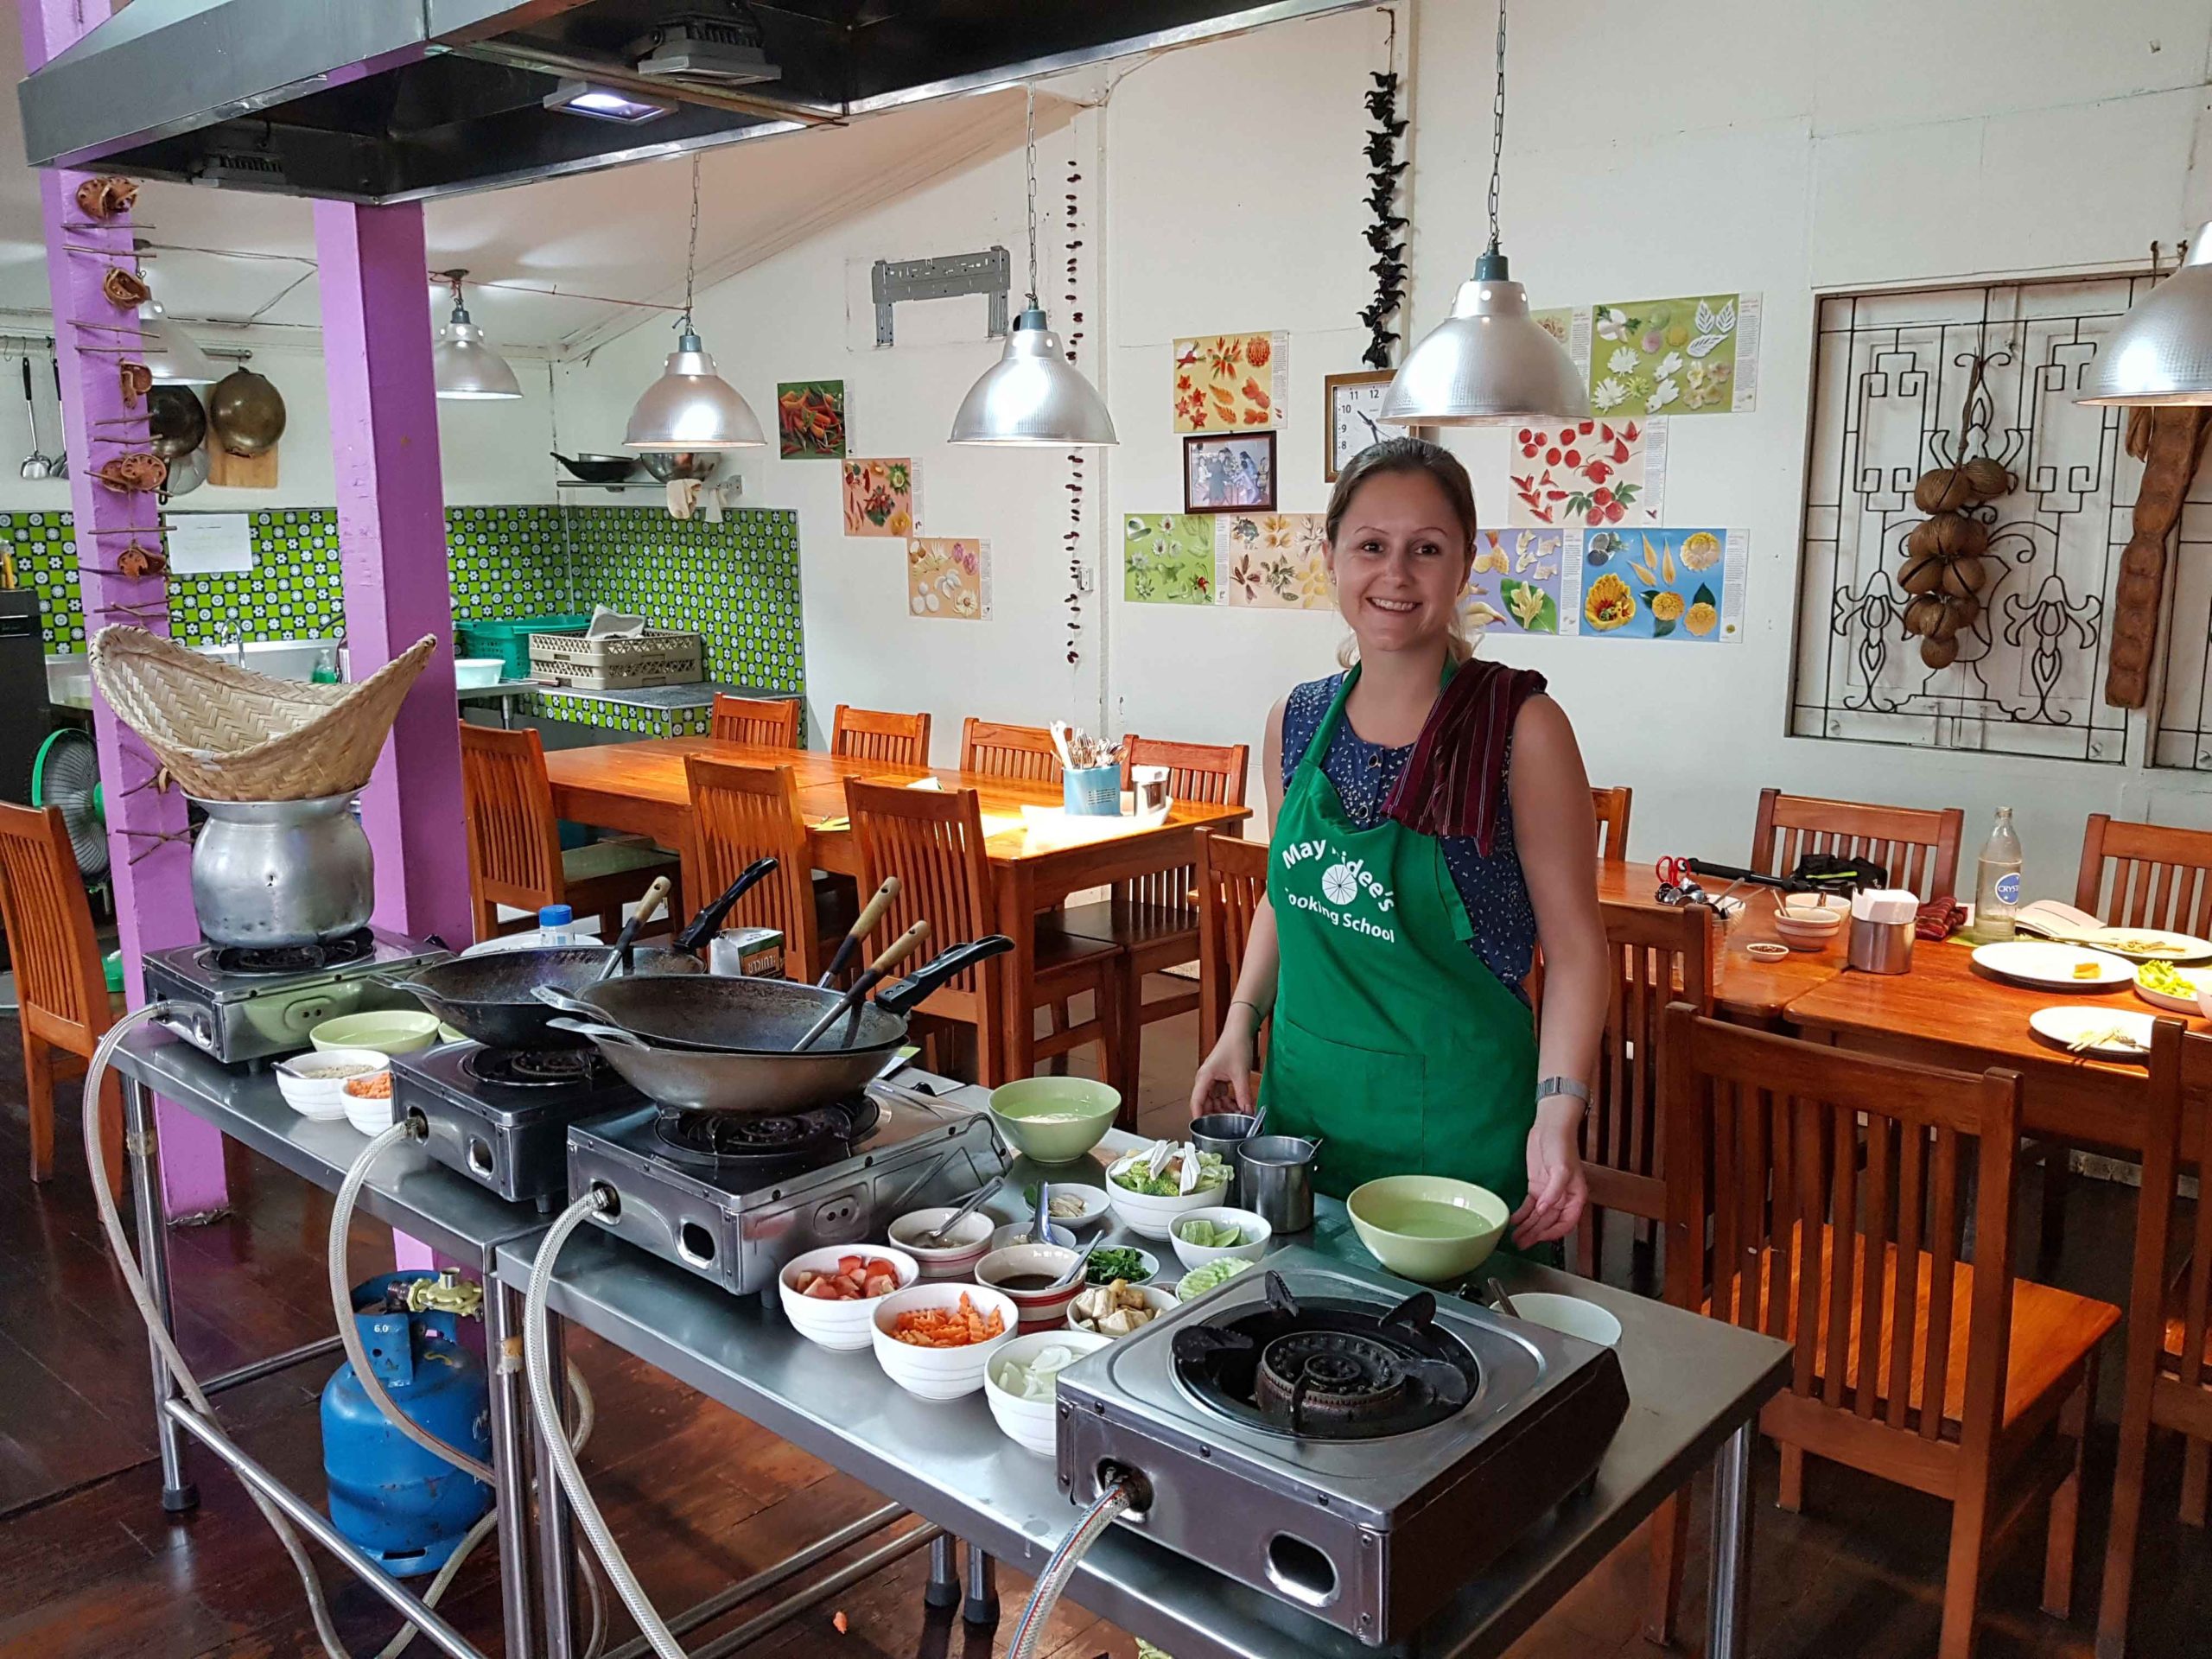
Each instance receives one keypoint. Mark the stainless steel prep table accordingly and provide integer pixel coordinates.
(454, 1216)
(1695, 1390)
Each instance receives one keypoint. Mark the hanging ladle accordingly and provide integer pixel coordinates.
(36, 465)
(60, 468)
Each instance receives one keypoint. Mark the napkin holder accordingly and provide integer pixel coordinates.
(1882, 930)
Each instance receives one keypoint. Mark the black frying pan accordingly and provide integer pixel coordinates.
(488, 997)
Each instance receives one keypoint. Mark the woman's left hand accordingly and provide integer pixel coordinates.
(1557, 1189)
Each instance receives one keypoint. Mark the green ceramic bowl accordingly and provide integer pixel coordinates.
(390, 1030)
(1428, 1228)
(1054, 1120)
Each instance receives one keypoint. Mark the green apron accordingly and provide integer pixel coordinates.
(1391, 1040)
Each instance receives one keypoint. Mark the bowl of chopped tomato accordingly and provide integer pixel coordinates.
(828, 1294)
(936, 1340)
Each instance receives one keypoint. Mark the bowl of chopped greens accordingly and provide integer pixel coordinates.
(1208, 1235)
(1054, 1120)
(2178, 990)
(1154, 1187)
(1022, 1380)
(1124, 1262)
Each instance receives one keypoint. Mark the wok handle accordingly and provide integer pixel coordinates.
(598, 1032)
(898, 951)
(1730, 872)
(917, 988)
(704, 924)
(863, 924)
(647, 906)
(553, 997)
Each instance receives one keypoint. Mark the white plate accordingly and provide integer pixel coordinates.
(2032, 962)
(2167, 999)
(2065, 1024)
(2178, 947)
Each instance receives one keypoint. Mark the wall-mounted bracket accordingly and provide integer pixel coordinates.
(989, 273)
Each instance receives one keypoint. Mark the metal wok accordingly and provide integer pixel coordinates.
(489, 997)
(746, 1074)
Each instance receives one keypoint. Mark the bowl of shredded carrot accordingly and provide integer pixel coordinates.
(936, 1340)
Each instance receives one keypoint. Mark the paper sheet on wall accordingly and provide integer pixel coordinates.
(949, 579)
(1697, 354)
(1231, 382)
(1167, 558)
(204, 544)
(1272, 560)
(879, 497)
(1677, 585)
(1595, 472)
(1570, 325)
(1517, 585)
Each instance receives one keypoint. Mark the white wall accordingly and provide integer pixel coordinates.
(1772, 148)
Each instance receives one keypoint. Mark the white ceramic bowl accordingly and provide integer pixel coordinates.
(470, 672)
(1095, 1204)
(323, 1097)
(1149, 1262)
(1807, 929)
(956, 1258)
(368, 1114)
(1018, 1232)
(1570, 1315)
(1256, 1235)
(1032, 1424)
(938, 1373)
(1041, 1310)
(1154, 1217)
(842, 1327)
(1160, 1301)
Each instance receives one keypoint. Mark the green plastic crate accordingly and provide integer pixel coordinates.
(509, 640)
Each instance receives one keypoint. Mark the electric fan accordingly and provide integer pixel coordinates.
(65, 773)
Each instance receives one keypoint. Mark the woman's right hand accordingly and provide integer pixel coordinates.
(1225, 1081)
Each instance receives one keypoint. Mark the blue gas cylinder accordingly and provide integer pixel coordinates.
(403, 1506)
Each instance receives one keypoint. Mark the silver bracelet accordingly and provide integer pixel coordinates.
(1551, 1086)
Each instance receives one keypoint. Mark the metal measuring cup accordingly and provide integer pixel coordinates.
(1274, 1176)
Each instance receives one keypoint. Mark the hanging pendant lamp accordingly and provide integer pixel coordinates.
(173, 356)
(1490, 361)
(691, 406)
(1032, 395)
(2161, 354)
(467, 367)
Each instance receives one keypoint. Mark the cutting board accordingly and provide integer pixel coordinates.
(242, 472)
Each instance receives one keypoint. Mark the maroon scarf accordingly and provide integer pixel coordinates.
(1454, 783)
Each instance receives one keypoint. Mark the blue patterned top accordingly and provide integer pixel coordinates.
(1492, 889)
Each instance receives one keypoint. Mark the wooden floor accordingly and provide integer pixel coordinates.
(89, 1566)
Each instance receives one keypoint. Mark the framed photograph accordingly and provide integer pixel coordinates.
(1354, 408)
(1231, 472)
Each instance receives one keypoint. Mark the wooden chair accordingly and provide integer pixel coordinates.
(1155, 920)
(1612, 806)
(2168, 1357)
(515, 855)
(932, 841)
(866, 734)
(1919, 846)
(1657, 957)
(1862, 1210)
(768, 722)
(1022, 752)
(64, 1007)
(2145, 875)
(742, 814)
(1232, 881)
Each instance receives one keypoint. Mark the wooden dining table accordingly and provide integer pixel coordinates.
(640, 789)
(1745, 989)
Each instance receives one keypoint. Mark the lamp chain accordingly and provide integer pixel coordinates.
(1029, 127)
(1497, 127)
(691, 254)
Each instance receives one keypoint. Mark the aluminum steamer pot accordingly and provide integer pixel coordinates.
(271, 873)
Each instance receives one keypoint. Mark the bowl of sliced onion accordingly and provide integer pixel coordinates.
(1021, 1382)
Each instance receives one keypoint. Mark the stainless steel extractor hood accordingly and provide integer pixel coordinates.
(397, 100)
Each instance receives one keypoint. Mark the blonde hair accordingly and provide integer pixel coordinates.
(1408, 455)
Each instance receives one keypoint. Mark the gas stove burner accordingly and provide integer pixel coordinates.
(720, 1138)
(1328, 1369)
(261, 962)
(536, 1067)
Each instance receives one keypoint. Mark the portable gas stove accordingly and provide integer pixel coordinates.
(244, 1006)
(1378, 1446)
(733, 1199)
(501, 1115)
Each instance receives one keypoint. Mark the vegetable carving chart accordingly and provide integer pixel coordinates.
(1231, 383)
(1515, 583)
(949, 578)
(1696, 355)
(1598, 473)
(1680, 585)
(1167, 558)
(1272, 560)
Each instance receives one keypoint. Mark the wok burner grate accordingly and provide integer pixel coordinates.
(537, 1067)
(1313, 1381)
(722, 1139)
(266, 961)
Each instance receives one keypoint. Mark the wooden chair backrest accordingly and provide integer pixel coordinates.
(59, 984)
(514, 841)
(871, 734)
(932, 841)
(1232, 877)
(1211, 773)
(2174, 1143)
(1786, 1144)
(1654, 957)
(1918, 846)
(1023, 753)
(2145, 875)
(1612, 806)
(770, 722)
(742, 814)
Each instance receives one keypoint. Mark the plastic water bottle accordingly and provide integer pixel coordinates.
(556, 926)
(1997, 883)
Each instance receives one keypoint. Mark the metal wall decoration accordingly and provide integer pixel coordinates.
(1384, 226)
(1896, 394)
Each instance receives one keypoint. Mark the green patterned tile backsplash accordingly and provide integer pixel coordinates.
(736, 582)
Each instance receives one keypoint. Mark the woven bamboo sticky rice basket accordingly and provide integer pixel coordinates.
(228, 735)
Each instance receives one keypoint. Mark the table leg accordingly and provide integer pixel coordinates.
(511, 1463)
(556, 1543)
(179, 1495)
(982, 1607)
(1729, 1595)
(944, 1587)
(1018, 921)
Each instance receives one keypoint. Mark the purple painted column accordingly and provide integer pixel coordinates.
(391, 539)
(153, 892)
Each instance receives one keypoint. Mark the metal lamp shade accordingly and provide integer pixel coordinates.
(2161, 351)
(173, 355)
(1490, 361)
(691, 407)
(1032, 395)
(468, 368)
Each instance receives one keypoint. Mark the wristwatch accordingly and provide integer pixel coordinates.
(1551, 1086)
